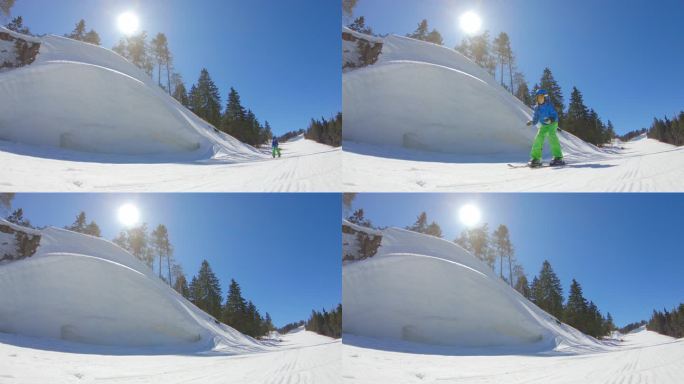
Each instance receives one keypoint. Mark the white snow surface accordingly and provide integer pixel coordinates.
(298, 358)
(426, 118)
(81, 117)
(306, 166)
(639, 358)
(427, 290)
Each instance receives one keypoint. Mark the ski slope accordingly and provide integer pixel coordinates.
(303, 357)
(80, 108)
(423, 310)
(306, 166)
(426, 118)
(127, 325)
(640, 358)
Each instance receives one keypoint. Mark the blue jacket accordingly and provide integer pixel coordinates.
(274, 143)
(543, 112)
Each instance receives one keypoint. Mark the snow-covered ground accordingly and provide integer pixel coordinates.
(426, 118)
(302, 357)
(642, 357)
(642, 166)
(306, 166)
(82, 309)
(422, 309)
(81, 117)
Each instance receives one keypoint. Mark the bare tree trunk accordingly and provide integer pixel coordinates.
(159, 79)
(168, 77)
(168, 263)
(510, 70)
(510, 270)
(160, 259)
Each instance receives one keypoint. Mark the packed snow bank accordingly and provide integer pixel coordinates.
(427, 97)
(85, 289)
(427, 290)
(80, 97)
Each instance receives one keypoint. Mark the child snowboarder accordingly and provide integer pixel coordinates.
(274, 147)
(546, 115)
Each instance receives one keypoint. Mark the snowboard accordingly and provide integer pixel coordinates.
(545, 165)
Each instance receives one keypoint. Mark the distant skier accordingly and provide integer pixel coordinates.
(546, 115)
(275, 147)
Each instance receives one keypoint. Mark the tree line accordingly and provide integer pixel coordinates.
(326, 323)
(326, 131)
(666, 130)
(498, 58)
(670, 323)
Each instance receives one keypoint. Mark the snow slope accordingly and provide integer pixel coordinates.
(82, 97)
(431, 98)
(423, 289)
(643, 357)
(85, 289)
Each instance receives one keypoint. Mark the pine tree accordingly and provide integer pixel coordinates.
(421, 31)
(359, 25)
(79, 224)
(547, 292)
(577, 118)
(478, 49)
(17, 25)
(420, 225)
(79, 31)
(205, 291)
(136, 241)
(576, 310)
(235, 309)
(521, 89)
(504, 54)
(434, 230)
(17, 217)
(205, 100)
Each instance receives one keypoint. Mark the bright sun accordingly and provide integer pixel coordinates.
(469, 215)
(470, 22)
(128, 23)
(129, 214)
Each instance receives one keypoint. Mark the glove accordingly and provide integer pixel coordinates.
(529, 123)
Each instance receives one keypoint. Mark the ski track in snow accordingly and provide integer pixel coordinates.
(642, 166)
(304, 166)
(301, 358)
(642, 358)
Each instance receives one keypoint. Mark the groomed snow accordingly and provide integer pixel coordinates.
(81, 117)
(639, 358)
(298, 358)
(426, 118)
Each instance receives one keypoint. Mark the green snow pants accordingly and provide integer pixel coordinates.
(276, 150)
(550, 131)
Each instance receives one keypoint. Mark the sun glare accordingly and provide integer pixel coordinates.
(129, 214)
(469, 215)
(470, 22)
(128, 23)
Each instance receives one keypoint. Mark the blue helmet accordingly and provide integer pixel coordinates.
(541, 92)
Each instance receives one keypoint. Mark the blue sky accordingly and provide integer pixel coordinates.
(282, 57)
(624, 249)
(624, 55)
(283, 249)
